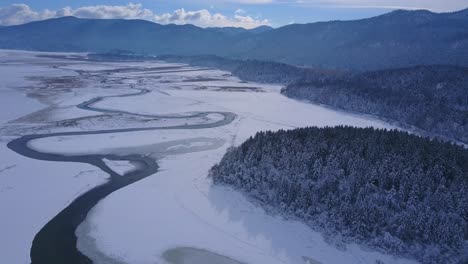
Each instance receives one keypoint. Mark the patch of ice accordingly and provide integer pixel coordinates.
(120, 167)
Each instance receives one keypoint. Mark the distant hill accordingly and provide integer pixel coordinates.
(396, 39)
(74, 34)
(255, 70)
(238, 30)
(260, 29)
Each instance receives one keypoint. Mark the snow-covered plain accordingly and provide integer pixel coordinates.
(31, 191)
(178, 207)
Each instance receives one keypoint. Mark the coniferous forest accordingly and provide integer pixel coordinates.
(394, 191)
(431, 98)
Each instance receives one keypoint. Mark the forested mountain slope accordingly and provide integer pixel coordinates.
(101, 35)
(396, 39)
(388, 189)
(431, 98)
(259, 71)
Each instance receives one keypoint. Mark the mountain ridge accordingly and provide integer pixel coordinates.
(413, 38)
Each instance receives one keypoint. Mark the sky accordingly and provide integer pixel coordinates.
(219, 13)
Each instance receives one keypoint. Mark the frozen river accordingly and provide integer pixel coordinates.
(110, 164)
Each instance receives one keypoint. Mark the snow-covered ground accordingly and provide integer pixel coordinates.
(31, 191)
(178, 207)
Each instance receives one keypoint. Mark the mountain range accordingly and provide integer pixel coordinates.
(396, 39)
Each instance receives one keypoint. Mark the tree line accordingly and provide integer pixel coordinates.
(430, 98)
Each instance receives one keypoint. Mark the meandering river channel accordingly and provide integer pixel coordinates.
(56, 241)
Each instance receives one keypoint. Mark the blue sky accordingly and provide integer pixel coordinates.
(247, 13)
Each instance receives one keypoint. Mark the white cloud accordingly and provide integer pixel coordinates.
(239, 11)
(204, 18)
(134, 11)
(21, 13)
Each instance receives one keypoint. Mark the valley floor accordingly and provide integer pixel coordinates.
(176, 215)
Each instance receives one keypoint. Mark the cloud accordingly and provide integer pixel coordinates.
(20, 13)
(204, 18)
(239, 11)
(134, 11)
